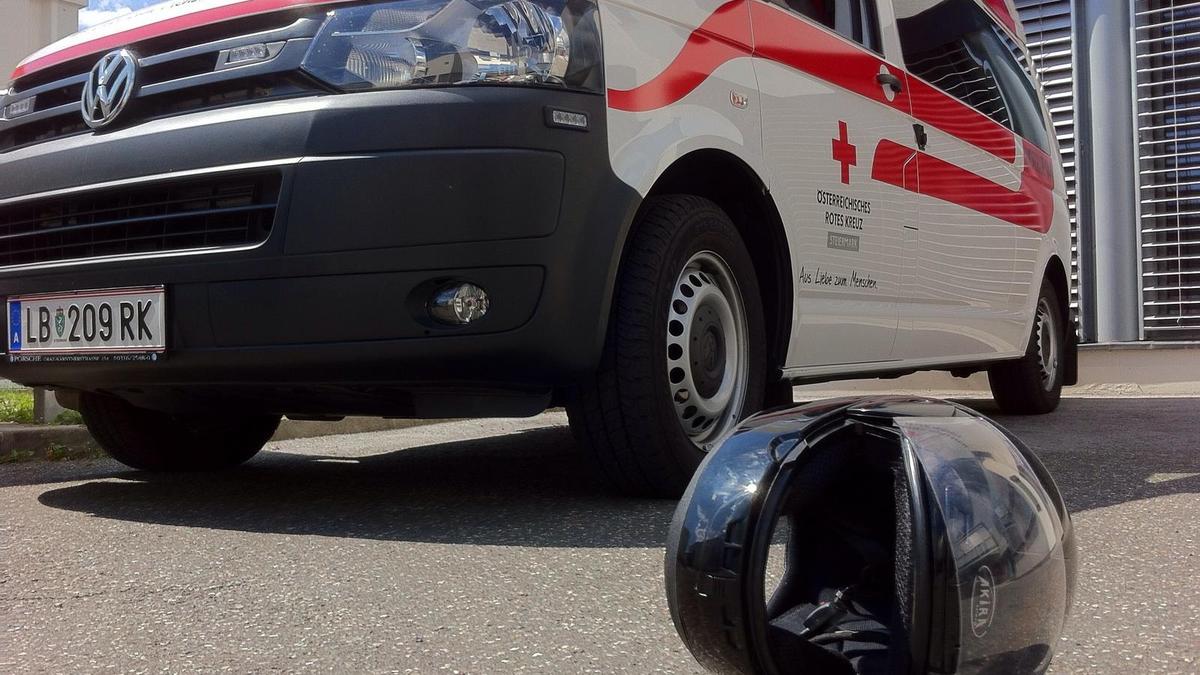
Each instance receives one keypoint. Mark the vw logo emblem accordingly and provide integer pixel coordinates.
(109, 87)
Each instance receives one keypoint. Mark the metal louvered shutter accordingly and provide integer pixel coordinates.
(1050, 40)
(1167, 44)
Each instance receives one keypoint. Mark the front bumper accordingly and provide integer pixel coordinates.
(383, 194)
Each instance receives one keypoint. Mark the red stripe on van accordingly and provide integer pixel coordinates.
(1031, 206)
(159, 28)
(1003, 13)
(782, 37)
(936, 108)
(722, 37)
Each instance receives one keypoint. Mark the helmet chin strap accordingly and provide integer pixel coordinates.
(827, 613)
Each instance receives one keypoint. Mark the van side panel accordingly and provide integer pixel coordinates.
(826, 117)
(989, 198)
(687, 75)
(662, 102)
(1034, 252)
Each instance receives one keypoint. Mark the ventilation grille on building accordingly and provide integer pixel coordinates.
(1049, 36)
(1167, 43)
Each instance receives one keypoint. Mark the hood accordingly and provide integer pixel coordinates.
(151, 22)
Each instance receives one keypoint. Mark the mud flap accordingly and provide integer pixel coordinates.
(1071, 363)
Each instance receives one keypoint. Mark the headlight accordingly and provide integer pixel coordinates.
(452, 42)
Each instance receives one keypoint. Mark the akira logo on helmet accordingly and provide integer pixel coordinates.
(983, 602)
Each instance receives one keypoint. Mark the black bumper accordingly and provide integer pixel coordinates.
(383, 195)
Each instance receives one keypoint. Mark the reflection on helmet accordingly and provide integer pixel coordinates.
(886, 535)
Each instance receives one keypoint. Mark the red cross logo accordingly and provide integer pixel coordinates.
(844, 153)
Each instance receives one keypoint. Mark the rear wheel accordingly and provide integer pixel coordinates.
(155, 441)
(684, 359)
(1033, 384)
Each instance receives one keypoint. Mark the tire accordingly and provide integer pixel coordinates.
(686, 279)
(155, 441)
(1033, 385)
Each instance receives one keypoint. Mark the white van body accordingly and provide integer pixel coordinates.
(953, 283)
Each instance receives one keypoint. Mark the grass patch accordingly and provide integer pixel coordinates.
(16, 406)
(54, 452)
(15, 456)
(59, 452)
(68, 417)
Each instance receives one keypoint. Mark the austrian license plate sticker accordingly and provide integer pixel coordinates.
(120, 324)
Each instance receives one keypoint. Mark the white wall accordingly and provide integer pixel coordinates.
(28, 25)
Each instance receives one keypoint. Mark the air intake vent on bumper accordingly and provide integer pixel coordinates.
(196, 214)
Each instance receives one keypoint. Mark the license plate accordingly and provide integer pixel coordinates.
(127, 324)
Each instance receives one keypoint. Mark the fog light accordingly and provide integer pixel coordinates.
(459, 304)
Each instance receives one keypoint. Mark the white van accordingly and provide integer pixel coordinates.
(660, 214)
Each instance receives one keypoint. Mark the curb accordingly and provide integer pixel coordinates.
(32, 442)
(28, 442)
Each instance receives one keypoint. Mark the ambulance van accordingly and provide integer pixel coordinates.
(660, 215)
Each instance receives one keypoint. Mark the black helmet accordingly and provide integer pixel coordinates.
(915, 535)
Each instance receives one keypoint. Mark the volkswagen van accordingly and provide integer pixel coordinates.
(661, 215)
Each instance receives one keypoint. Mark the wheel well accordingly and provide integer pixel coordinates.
(1056, 274)
(737, 189)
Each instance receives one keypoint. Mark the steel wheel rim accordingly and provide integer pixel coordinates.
(707, 350)
(1047, 345)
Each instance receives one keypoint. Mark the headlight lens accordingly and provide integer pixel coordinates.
(452, 42)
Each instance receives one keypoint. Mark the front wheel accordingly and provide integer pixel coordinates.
(1033, 385)
(684, 359)
(156, 441)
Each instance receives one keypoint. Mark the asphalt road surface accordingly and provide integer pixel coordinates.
(487, 547)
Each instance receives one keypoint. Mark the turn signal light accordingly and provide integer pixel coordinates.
(22, 107)
(248, 54)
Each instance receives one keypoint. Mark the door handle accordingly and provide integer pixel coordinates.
(890, 80)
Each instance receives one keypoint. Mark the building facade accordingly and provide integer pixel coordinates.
(1123, 82)
(28, 25)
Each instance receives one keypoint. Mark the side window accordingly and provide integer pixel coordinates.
(963, 72)
(853, 19)
(1024, 101)
(956, 47)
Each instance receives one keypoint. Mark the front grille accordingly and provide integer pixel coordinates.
(196, 214)
(177, 73)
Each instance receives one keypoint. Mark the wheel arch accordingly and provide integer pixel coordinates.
(1056, 274)
(738, 189)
